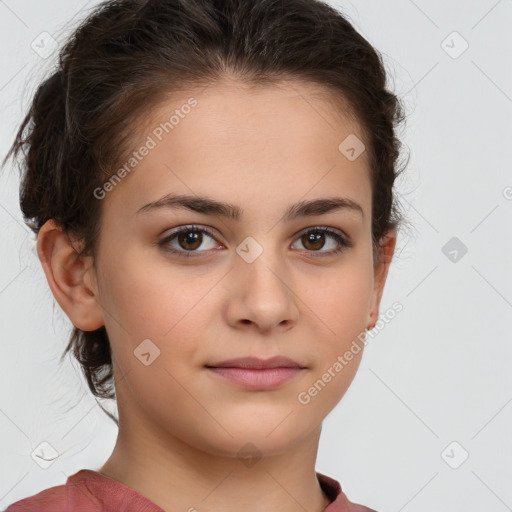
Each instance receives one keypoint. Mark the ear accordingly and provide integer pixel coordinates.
(381, 268)
(71, 277)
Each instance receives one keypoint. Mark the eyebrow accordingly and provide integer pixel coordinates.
(209, 206)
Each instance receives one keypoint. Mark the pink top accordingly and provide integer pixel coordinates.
(90, 491)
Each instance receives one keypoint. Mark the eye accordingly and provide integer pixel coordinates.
(187, 239)
(314, 239)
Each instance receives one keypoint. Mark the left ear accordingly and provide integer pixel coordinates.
(381, 268)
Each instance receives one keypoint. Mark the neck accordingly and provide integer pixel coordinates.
(177, 476)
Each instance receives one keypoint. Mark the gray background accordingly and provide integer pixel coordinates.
(438, 373)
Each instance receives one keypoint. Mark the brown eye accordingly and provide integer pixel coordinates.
(314, 240)
(190, 240)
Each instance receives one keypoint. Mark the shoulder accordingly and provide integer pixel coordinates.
(72, 496)
(339, 500)
(354, 507)
(86, 491)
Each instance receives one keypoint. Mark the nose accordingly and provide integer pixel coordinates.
(260, 295)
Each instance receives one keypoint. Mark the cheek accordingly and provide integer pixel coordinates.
(154, 299)
(342, 299)
(342, 305)
(169, 307)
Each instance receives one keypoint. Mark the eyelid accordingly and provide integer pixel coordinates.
(344, 241)
(339, 235)
(165, 241)
(324, 228)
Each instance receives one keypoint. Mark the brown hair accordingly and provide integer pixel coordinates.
(128, 54)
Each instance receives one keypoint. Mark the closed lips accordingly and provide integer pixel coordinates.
(257, 364)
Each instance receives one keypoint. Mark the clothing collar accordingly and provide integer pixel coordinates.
(120, 497)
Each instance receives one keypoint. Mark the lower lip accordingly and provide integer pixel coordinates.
(258, 379)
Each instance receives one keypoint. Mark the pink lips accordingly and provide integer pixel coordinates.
(257, 374)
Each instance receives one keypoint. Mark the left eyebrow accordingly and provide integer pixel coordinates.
(209, 206)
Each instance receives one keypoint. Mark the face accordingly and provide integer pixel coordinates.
(257, 284)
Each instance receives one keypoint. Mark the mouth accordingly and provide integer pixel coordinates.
(257, 374)
(257, 363)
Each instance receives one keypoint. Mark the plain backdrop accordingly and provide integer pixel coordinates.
(426, 423)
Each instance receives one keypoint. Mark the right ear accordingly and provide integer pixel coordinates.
(72, 278)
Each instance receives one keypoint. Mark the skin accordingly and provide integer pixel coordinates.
(180, 427)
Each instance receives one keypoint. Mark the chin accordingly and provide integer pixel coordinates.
(254, 441)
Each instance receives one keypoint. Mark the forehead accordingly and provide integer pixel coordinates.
(284, 110)
(233, 137)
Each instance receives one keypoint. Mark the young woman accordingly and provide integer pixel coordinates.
(211, 185)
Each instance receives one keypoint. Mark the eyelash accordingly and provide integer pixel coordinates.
(343, 242)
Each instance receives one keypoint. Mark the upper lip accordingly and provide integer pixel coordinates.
(254, 362)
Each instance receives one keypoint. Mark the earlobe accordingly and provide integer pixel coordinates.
(67, 274)
(381, 268)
